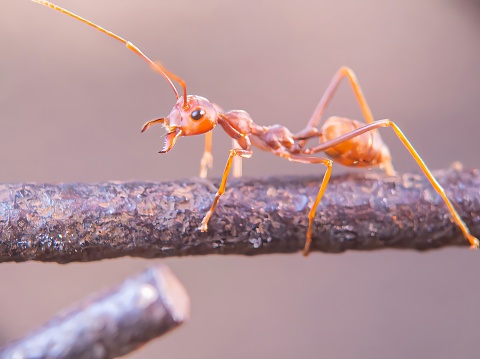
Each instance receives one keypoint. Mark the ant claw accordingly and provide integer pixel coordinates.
(306, 250)
(204, 226)
(474, 243)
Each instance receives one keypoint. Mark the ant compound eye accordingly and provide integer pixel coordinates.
(197, 114)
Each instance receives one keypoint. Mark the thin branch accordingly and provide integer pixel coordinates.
(86, 222)
(115, 323)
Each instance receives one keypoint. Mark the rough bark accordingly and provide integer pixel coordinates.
(86, 222)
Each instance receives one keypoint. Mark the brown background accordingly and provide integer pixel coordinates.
(72, 102)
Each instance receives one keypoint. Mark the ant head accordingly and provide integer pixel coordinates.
(191, 115)
(194, 116)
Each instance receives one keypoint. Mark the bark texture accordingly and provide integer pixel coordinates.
(87, 222)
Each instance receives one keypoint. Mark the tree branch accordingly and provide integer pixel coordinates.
(115, 323)
(86, 222)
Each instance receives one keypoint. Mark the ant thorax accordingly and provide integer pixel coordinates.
(279, 138)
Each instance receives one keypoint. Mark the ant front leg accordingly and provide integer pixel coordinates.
(474, 243)
(207, 159)
(221, 190)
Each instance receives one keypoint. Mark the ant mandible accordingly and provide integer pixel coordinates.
(347, 141)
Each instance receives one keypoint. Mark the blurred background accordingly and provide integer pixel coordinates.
(72, 102)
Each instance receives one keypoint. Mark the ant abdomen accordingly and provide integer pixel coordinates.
(364, 150)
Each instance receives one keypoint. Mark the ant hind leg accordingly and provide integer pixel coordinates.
(332, 87)
(474, 242)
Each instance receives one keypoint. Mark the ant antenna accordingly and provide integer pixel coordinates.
(179, 80)
(156, 66)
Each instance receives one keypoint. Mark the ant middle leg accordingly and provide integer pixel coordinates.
(326, 177)
(474, 242)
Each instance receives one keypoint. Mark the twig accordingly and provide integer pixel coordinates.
(115, 323)
(86, 222)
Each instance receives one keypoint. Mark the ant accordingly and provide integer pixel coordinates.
(348, 142)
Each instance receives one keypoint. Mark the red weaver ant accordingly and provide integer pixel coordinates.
(349, 142)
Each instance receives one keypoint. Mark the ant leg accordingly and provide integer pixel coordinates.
(237, 161)
(327, 96)
(474, 243)
(362, 101)
(233, 152)
(326, 177)
(207, 159)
